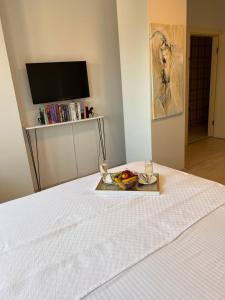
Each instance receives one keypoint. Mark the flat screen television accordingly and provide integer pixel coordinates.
(54, 81)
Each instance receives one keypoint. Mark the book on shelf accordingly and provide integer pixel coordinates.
(64, 113)
(86, 112)
(58, 113)
(52, 112)
(77, 105)
(45, 115)
(68, 113)
(48, 113)
(72, 111)
(82, 109)
(42, 115)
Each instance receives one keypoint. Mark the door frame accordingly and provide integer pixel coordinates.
(213, 78)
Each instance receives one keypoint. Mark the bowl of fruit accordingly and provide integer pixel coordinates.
(125, 180)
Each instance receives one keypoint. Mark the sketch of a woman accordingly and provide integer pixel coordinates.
(165, 70)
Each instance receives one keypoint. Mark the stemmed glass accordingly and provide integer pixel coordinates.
(103, 167)
(148, 170)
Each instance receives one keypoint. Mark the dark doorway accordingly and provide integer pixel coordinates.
(199, 87)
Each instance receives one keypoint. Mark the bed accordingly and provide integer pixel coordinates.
(69, 242)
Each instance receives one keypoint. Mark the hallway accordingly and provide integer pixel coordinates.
(206, 158)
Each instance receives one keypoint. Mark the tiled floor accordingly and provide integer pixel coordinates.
(206, 158)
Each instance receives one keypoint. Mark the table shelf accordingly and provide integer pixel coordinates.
(35, 161)
(62, 123)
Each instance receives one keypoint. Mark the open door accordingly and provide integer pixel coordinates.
(213, 85)
(200, 63)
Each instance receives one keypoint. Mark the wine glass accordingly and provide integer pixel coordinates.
(148, 170)
(103, 167)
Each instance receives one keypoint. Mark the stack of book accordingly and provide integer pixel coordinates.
(57, 113)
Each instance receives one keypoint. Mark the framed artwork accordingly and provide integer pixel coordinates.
(167, 68)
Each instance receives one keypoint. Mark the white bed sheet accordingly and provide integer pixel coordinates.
(190, 268)
(35, 217)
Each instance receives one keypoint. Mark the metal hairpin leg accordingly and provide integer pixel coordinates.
(101, 131)
(36, 168)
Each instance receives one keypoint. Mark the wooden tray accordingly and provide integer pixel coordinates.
(152, 189)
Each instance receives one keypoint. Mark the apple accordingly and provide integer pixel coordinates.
(125, 175)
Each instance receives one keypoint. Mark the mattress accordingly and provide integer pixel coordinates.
(69, 243)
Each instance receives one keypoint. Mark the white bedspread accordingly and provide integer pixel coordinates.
(190, 268)
(65, 242)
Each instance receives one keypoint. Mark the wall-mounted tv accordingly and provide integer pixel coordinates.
(54, 81)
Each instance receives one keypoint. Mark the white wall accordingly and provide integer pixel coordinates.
(168, 135)
(211, 19)
(134, 55)
(55, 30)
(15, 177)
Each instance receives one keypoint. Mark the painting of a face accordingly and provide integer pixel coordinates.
(166, 43)
(166, 60)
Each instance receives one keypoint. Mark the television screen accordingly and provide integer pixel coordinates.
(58, 81)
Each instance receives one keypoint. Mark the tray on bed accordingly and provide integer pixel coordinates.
(138, 188)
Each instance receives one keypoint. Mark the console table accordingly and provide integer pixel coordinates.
(101, 129)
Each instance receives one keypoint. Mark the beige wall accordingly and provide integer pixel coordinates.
(15, 177)
(55, 30)
(134, 57)
(211, 21)
(206, 14)
(219, 115)
(168, 135)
